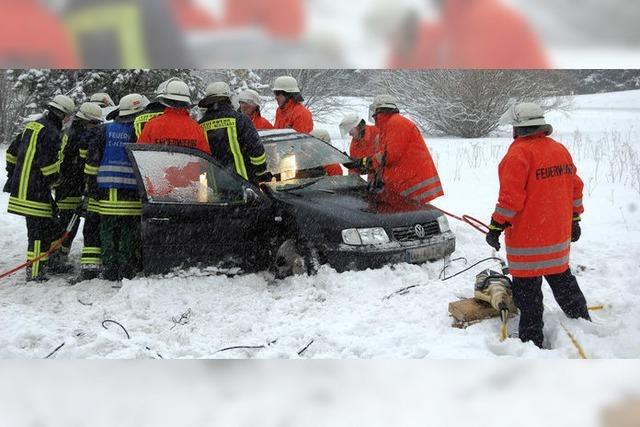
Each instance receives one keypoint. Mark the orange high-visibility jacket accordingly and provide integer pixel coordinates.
(192, 17)
(294, 115)
(283, 19)
(408, 168)
(31, 36)
(540, 191)
(175, 127)
(365, 147)
(473, 34)
(488, 34)
(259, 122)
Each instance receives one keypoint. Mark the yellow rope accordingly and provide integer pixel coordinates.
(575, 342)
(503, 331)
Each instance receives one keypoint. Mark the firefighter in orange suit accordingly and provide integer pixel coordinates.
(403, 163)
(364, 139)
(291, 114)
(539, 208)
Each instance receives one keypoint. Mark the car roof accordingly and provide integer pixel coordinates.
(275, 135)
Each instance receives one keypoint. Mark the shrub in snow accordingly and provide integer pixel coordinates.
(468, 103)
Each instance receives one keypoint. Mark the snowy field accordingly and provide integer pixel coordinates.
(345, 315)
(315, 394)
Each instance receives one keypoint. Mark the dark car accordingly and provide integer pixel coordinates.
(196, 212)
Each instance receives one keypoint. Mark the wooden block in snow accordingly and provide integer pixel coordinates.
(469, 311)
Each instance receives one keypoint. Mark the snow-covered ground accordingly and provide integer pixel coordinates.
(379, 393)
(345, 314)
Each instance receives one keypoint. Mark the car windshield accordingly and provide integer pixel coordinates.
(298, 153)
(299, 162)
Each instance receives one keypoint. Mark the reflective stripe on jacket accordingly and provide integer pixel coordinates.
(175, 127)
(33, 167)
(119, 202)
(540, 191)
(407, 166)
(234, 141)
(71, 157)
(143, 119)
(115, 169)
(109, 200)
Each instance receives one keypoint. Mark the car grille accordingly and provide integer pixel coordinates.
(406, 234)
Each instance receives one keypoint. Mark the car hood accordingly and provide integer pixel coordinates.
(355, 208)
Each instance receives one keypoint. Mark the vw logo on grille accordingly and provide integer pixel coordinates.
(419, 229)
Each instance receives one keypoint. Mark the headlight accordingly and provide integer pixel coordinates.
(364, 236)
(444, 224)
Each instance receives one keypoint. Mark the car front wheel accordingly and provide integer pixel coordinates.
(293, 258)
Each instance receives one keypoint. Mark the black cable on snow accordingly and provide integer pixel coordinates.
(305, 347)
(246, 347)
(405, 290)
(114, 322)
(470, 267)
(54, 351)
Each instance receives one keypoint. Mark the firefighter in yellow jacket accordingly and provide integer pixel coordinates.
(32, 170)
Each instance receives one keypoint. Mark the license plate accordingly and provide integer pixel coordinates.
(419, 255)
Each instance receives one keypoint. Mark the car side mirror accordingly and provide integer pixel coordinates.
(250, 196)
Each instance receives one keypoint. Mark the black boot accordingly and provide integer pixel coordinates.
(40, 276)
(58, 264)
(568, 295)
(111, 273)
(527, 295)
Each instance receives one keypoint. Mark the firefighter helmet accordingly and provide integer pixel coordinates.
(524, 114)
(349, 122)
(174, 90)
(322, 135)
(382, 101)
(90, 111)
(102, 99)
(218, 89)
(250, 96)
(64, 104)
(286, 84)
(131, 104)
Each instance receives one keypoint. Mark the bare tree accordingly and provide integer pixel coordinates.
(13, 103)
(469, 103)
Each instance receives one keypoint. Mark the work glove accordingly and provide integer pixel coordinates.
(493, 236)
(265, 176)
(575, 229)
(363, 165)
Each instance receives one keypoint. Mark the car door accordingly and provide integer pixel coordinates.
(196, 213)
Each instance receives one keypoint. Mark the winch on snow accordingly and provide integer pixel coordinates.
(492, 298)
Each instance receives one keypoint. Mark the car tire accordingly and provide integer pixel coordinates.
(291, 261)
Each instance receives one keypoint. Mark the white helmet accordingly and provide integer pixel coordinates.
(220, 89)
(102, 99)
(349, 122)
(322, 135)
(90, 111)
(131, 104)
(64, 104)
(524, 114)
(286, 84)
(382, 101)
(250, 96)
(174, 90)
